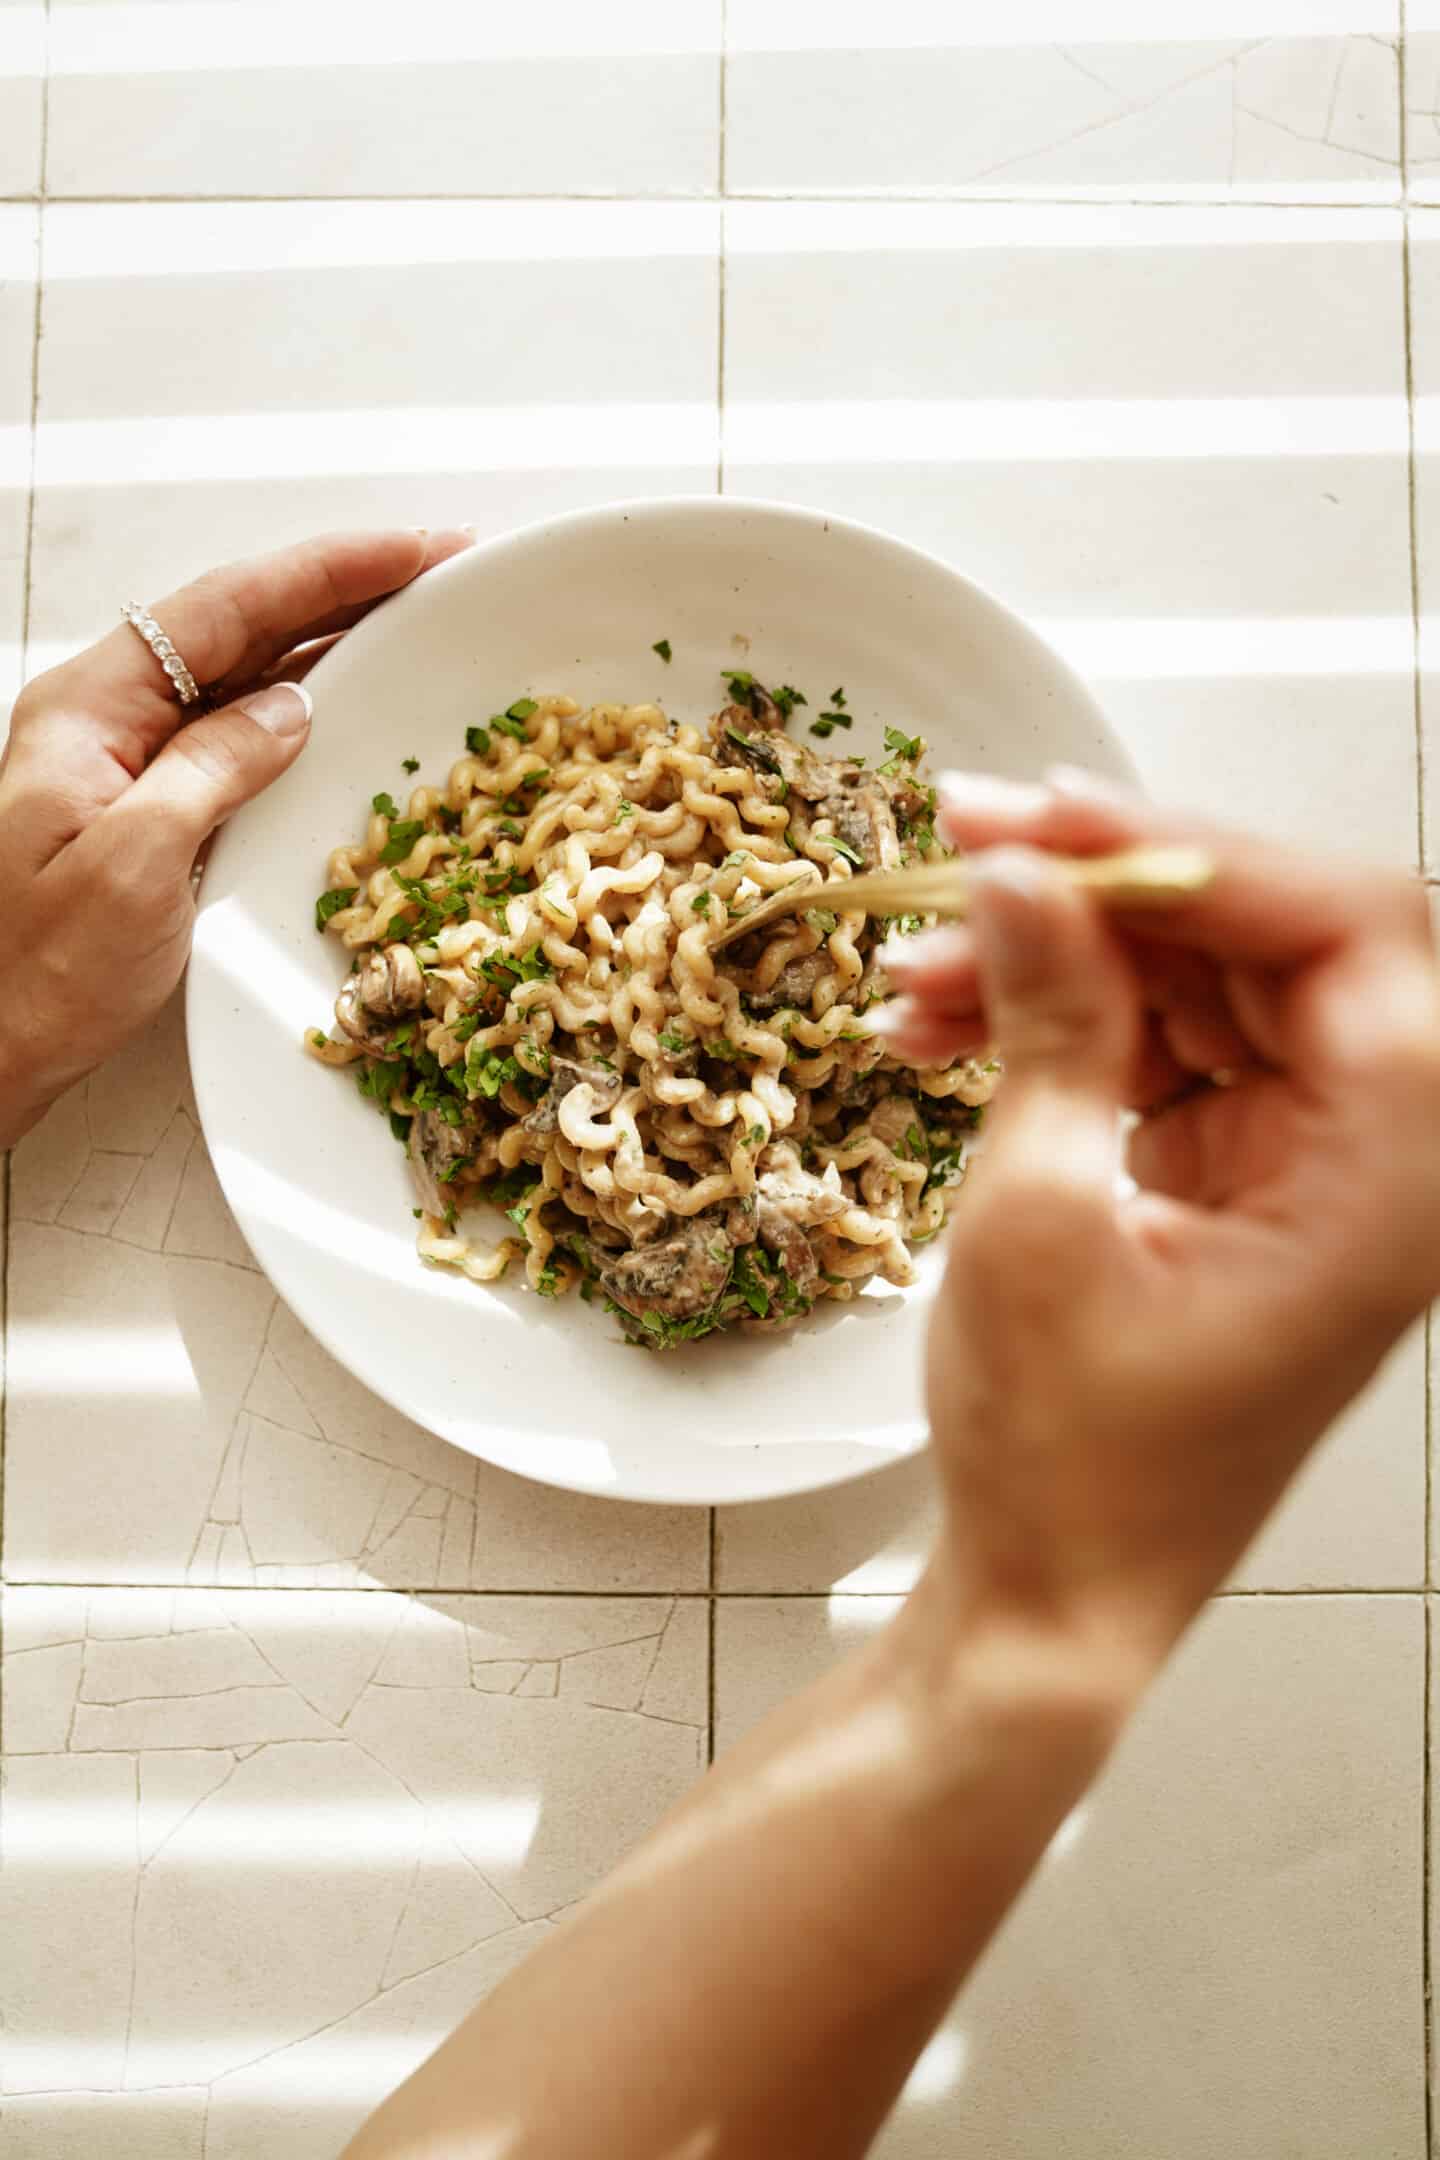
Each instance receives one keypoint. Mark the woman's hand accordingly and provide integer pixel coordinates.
(1120, 1389)
(108, 794)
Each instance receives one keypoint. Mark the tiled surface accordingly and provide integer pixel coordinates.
(1222, 1952)
(1294, 99)
(22, 89)
(299, 366)
(1176, 437)
(235, 1450)
(440, 97)
(263, 1849)
(1147, 376)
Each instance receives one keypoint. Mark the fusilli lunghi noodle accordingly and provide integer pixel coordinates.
(704, 1139)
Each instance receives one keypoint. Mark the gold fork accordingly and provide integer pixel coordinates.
(1143, 877)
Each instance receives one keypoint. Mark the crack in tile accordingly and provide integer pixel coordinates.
(1318, 142)
(1129, 111)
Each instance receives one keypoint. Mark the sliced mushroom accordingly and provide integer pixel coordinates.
(679, 1276)
(567, 1073)
(794, 985)
(787, 1241)
(859, 809)
(434, 1147)
(385, 990)
(892, 1118)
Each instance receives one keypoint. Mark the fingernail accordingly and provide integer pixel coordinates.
(987, 795)
(285, 709)
(1078, 784)
(1008, 888)
(888, 1020)
(926, 948)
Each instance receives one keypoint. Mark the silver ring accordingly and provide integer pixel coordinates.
(182, 681)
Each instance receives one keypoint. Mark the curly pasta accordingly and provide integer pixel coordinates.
(709, 1139)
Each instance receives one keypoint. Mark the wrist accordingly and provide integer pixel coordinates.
(1015, 1674)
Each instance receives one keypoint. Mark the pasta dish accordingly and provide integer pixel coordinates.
(702, 1139)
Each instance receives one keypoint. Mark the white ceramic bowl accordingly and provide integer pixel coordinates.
(316, 1182)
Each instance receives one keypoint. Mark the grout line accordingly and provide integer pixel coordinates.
(1427, 2038)
(715, 1597)
(1072, 199)
(710, 1634)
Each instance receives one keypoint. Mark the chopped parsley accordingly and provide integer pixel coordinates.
(410, 764)
(319, 1039)
(662, 646)
(842, 847)
(477, 741)
(504, 1192)
(742, 687)
(672, 1039)
(836, 717)
(380, 1079)
(904, 749)
(786, 697)
(722, 1048)
(626, 810)
(754, 1137)
(512, 721)
(404, 832)
(385, 804)
(764, 758)
(487, 1071)
(745, 1279)
(822, 921)
(465, 1027)
(504, 970)
(505, 879)
(330, 903)
(701, 903)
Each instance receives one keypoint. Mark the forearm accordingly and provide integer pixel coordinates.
(758, 1978)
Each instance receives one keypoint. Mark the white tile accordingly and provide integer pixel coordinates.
(1422, 99)
(297, 1924)
(1295, 99)
(1425, 353)
(22, 90)
(870, 1536)
(276, 369)
(251, 97)
(18, 240)
(1175, 438)
(1355, 1519)
(1221, 1954)
(231, 1448)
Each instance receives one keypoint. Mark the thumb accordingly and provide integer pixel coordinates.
(1062, 1004)
(213, 765)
